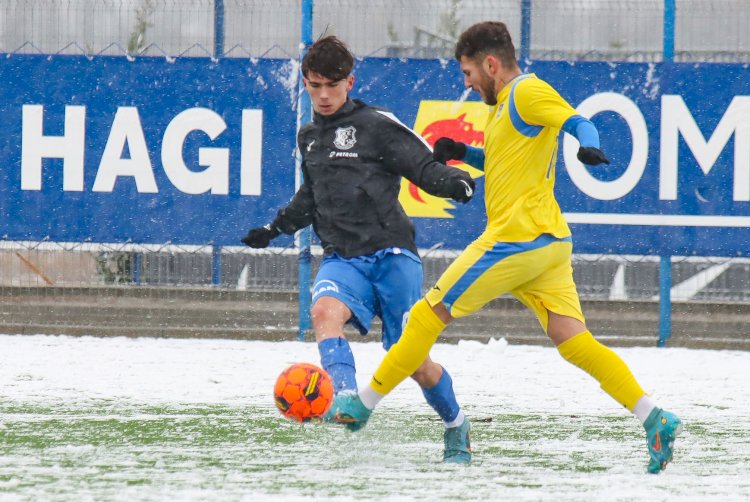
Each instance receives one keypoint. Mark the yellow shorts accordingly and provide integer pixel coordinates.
(539, 273)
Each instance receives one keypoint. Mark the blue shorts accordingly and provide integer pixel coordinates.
(384, 284)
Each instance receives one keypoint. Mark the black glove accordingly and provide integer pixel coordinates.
(260, 237)
(592, 156)
(463, 190)
(446, 149)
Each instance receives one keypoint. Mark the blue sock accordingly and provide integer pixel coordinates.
(442, 398)
(337, 359)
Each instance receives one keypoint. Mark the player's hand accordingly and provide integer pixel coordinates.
(446, 149)
(463, 190)
(260, 237)
(592, 156)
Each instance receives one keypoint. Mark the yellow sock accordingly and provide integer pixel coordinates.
(614, 376)
(403, 359)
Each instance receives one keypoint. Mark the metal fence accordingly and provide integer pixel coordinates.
(76, 265)
(632, 30)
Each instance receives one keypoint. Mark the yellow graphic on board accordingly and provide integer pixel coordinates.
(460, 121)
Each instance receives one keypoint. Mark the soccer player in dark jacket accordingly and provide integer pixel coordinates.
(353, 159)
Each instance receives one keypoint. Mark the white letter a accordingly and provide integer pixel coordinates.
(126, 129)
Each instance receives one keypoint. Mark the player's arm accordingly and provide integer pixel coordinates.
(406, 153)
(538, 104)
(297, 214)
(585, 132)
(446, 149)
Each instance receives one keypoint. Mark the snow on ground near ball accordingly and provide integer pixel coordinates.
(234, 372)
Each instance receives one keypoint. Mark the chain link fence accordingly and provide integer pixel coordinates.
(623, 30)
(82, 265)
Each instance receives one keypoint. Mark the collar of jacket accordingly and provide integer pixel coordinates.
(345, 109)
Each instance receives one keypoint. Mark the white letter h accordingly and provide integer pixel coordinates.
(69, 147)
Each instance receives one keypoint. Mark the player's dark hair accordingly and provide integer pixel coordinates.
(488, 37)
(328, 57)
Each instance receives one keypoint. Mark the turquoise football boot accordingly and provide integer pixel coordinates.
(348, 409)
(662, 427)
(330, 416)
(457, 444)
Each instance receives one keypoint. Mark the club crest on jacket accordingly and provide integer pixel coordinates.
(345, 138)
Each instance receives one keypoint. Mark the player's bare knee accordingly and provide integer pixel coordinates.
(562, 328)
(325, 312)
(329, 316)
(428, 374)
(318, 313)
(442, 312)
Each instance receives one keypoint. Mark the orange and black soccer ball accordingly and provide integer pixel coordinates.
(303, 392)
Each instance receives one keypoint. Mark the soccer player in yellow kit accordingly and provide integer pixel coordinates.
(526, 247)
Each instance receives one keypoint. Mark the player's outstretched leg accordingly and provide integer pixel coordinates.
(337, 359)
(348, 409)
(662, 427)
(616, 379)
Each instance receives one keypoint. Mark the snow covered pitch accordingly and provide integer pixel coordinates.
(164, 419)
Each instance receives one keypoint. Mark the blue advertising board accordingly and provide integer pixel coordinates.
(148, 151)
(195, 151)
(678, 136)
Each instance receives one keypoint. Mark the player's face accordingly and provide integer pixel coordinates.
(479, 80)
(327, 95)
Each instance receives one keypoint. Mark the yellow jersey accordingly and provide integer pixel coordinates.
(520, 148)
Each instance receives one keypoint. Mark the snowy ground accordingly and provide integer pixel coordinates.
(160, 419)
